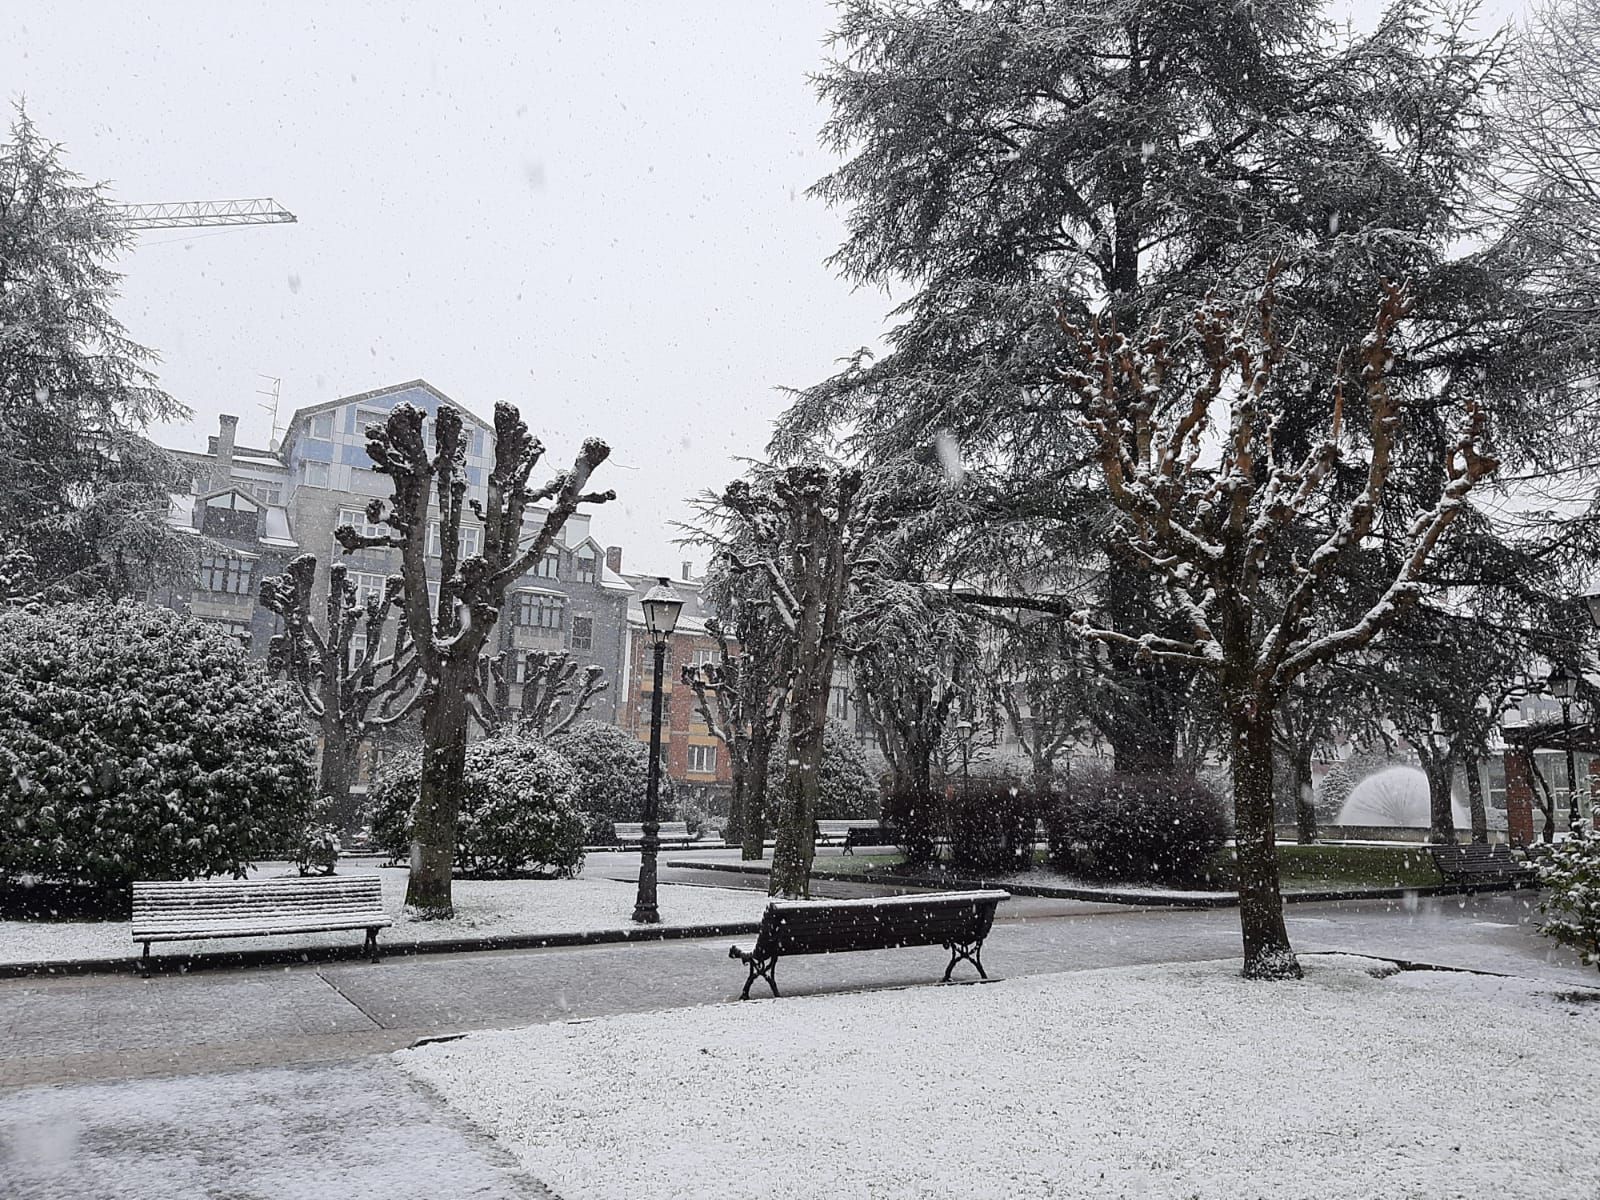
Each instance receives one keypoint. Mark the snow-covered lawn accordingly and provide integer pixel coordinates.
(1175, 1081)
(484, 908)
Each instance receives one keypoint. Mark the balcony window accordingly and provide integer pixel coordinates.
(224, 573)
(550, 565)
(535, 611)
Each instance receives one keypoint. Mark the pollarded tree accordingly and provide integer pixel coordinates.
(808, 527)
(549, 679)
(348, 694)
(1224, 539)
(84, 493)
(449, 637)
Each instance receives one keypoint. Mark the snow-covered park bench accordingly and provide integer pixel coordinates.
(1481, 866)
(834, 833)
(872, 833)
(631, 833)
(958, 921)
(234, 908)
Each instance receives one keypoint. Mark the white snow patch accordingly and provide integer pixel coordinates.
(1165, 1081)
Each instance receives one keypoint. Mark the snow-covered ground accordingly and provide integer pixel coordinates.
(484, 908)
(1180, 1081)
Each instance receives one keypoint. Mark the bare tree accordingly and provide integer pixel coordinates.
(1212, 533)
(548, 679)
(449, 637)
(349, 693)
(808, 528)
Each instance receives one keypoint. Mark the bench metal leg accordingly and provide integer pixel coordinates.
(144, 962)
(372, 943)
(970, 952)
(761, 969)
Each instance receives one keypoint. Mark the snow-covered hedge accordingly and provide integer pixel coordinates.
(991, 826)
(610, 771)
(517, 810)
(1135, 828)
(137, 743)
(1569, 875)
(846, 790)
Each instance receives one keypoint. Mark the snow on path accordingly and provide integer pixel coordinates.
(483, 908)
(1181, 1081)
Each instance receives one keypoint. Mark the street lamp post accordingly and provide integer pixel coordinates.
(661, 607)
(1562, 686)
(964, 735)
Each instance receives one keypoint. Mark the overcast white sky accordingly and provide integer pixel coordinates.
(595, 210)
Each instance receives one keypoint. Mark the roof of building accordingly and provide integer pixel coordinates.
(301, 415)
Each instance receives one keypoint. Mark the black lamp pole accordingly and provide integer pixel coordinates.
(1572, 776)
(660, 606)
(644, 907)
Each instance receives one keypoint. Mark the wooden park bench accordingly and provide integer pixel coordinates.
(958, 921)
(631, 833)
(233, 908)
(834, 833)
(1482, 866)
(870, 834)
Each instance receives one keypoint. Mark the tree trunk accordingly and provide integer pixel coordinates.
(1480, 813)
(337, 776)
(733, 831)
(1267, 952)
(796, 841)
(1441, 821)
(1305, 812)
(433, 833)
(756, 806)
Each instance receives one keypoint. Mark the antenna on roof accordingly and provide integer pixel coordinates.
(270, 405)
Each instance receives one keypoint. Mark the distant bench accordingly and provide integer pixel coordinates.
(1480, 865)
(836, 833)
(233, 908)
(958, 921)
(870, 833)
(631, 833)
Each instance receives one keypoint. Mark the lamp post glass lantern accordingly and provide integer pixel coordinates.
(661, 607)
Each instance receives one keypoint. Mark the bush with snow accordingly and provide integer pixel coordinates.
(610, 769)
(138, 743)
(1135, 828)
(991, 825)
(1569, 874)
(846, 790)
(319, 848)
(517, 810)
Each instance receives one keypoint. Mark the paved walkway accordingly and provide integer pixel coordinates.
(101, 1071)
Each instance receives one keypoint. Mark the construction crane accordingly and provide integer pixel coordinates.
(191, 214)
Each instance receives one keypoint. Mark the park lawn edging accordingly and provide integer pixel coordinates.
(287, 956)
(1141, 897)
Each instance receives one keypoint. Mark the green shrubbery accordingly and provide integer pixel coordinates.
(517, 810)
(609, 775)
(1569, 874)
(991, 827)
(137, 743)
(1134, 828)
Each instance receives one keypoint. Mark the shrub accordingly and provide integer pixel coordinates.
(846, 789)
(1569, 874)
(517, 813)
(138, 743)
(318, 852)
(609, 769)
(1135, 828)
(992, 826)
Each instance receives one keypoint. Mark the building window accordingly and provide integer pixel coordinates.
(316, 474)
(224, 573)
(266, 493)
(702, 656)
(358, 648)
(586, 565)
(540, 612)
(550, 565)
(838, 703)
(367, 584)
(320, 427)
(471, 540)
(357, 519)
(583, 633)
(702, 760)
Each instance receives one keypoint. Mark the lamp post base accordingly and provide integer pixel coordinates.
(646, 915)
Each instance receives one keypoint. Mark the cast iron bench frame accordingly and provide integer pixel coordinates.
(958, 921)
(195, 910)
(1477, 863)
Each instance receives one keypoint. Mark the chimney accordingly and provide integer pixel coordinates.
(222, 469)
(688, 567)
(614, 559)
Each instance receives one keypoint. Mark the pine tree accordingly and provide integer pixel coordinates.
(83, 498)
